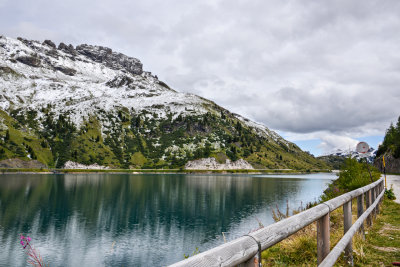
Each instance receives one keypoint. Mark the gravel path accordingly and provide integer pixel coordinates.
(395, 181)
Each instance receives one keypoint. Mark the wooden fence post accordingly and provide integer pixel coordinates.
(323, 238)
(367, 204)
(360, 211)
(377, 192)
(347, 219)
(372, 201)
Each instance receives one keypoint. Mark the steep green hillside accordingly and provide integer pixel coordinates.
(129, 140)
(336, 162)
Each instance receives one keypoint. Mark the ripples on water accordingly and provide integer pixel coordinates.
(138, 220)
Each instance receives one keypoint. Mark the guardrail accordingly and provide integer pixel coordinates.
(246, 250)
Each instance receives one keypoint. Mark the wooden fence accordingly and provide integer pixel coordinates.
(246, 250)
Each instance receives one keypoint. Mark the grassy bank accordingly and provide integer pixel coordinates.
(380, 248)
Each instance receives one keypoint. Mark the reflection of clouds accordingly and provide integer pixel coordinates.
(218, 181)
(76, 218)
(324, 176)
(73, 180)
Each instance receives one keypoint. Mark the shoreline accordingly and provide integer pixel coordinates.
(158, 171)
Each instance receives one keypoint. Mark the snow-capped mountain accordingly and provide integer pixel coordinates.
(370, 155)
(90, 104)
(82, 80)
(336, 158)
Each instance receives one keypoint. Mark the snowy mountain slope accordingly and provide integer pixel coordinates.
(336, 158)
(354, 154)
(93, 85)
(92, 105)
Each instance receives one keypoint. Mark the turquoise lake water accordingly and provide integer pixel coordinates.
(139, 220)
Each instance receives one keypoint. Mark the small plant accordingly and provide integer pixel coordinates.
(278, 215)
(194, 253)
(390, 194)
(34, 257)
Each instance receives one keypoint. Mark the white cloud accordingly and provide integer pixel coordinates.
(330, 143)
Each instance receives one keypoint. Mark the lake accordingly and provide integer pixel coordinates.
(139, 220)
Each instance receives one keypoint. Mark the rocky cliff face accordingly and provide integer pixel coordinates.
(113, 60)
(392, 164)
(89, 104)
(41, 54)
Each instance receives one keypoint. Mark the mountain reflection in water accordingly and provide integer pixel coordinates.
(138, 220)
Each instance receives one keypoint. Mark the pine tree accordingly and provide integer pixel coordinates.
(7, 137)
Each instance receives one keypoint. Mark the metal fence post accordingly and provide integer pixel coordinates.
(347, 219)
(323, 238)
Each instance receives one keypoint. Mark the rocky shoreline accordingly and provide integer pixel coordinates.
(212, 164)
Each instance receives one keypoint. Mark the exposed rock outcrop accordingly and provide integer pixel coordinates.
(212, 164)
(111, 59)
(23, 164)
(75, 165)
(30, 61)
(66, 70)
(392, 164)
(119, 81)
(67, 48)
(49, 43)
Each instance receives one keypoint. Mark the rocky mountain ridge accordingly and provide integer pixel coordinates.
(89, 104)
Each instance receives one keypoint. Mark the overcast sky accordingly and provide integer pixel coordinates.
(324, 74)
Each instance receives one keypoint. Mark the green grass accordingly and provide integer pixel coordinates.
(6, 170)
(381, 246)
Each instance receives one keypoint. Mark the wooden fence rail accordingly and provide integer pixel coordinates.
(245, 251)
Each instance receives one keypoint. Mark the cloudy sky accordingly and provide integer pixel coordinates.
(323, 74)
